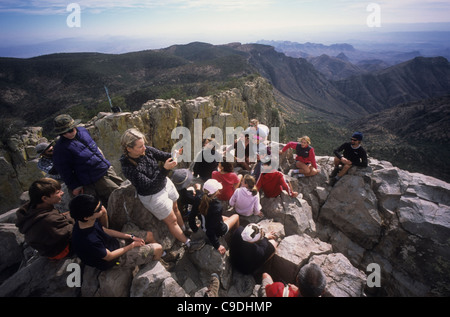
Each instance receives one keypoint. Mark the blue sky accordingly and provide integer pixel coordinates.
(213, 21)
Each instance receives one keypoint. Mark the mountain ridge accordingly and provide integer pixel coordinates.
(37, 89)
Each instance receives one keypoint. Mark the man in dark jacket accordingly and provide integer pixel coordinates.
(80, 162)
(45, 228)
(353, 155)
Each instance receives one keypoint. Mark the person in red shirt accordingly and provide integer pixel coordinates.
(228, 178)
(310, 282)
(305, 159)
(272, 182)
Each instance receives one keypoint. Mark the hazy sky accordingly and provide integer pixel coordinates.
(213, 21)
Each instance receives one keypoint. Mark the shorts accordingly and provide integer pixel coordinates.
(161, 203)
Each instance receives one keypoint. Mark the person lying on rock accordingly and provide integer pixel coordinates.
(104, 248)
(310, 282)
(46, 229)
(140, 165)
(353, 155)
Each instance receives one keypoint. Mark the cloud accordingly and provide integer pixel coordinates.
(45, 7)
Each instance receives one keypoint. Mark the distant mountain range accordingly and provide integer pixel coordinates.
(322, 104)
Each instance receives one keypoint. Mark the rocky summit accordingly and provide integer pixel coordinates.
(379, 231)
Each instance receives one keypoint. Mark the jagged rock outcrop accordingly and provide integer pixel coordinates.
(380, 215)
(156, 119)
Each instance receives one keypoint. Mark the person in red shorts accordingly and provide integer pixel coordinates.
(272, 182)
(311, 282)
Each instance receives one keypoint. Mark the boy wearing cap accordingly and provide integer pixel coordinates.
(353, 155)
(45, 163)
(182, 179)
(80, 162)
(250, 248)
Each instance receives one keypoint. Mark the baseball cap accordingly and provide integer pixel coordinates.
(252, 233)
(212, 186)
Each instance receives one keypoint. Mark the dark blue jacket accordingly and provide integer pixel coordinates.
(79, 161)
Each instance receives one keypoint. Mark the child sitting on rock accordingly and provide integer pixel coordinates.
(272, 182)
(245, 199)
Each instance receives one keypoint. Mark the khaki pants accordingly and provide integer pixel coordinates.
(104, 186)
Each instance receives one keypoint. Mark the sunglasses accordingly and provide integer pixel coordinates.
(352, 139)
(70, 131)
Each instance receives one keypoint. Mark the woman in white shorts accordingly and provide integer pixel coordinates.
(155, 190)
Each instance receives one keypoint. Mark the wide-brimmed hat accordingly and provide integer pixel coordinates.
(252, 233)
(64, 123)
(182, 178)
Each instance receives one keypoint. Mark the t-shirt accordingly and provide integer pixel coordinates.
(228, 181)
(246, 257)
(278, 289)
(90, 245)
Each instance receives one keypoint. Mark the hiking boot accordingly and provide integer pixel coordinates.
(167, 265)
(332, 181)
(213, 288)
(171, 256)
(195, 245)
(334, 172)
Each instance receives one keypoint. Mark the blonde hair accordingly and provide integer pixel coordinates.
(254, 121)
(251, 183)
(306, 138)
(129, 138)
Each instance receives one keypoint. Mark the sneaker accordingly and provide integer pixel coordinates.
(195, 245)
(300, 175)
(290, 173)
(213, 288)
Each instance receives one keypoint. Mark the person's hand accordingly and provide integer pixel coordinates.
(170, 164)
(137, 243)
(271, 235)
(293, 287)
(222, 249)
(294, 194)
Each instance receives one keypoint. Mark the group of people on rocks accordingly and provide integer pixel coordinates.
(170, 194)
